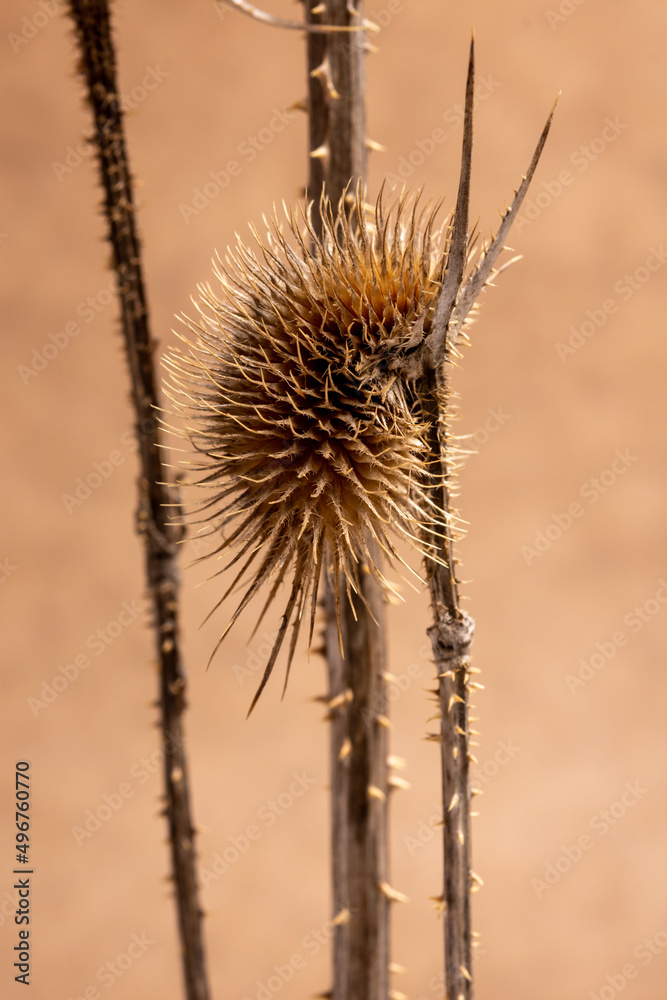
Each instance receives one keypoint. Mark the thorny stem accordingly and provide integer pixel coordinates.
(451, 635)
(451, 632)
(357, 685)
(98, 66)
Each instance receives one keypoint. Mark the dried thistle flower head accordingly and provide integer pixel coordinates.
(312, 390)
(310, 442)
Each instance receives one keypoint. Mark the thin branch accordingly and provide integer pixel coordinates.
(98, 67)
(483, 272)
(458, 247)
(280, 22)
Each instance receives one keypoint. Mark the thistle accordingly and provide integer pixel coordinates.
(311, 439)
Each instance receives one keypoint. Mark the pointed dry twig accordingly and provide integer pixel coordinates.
(475, 283)
(458, 247)
(98, 66)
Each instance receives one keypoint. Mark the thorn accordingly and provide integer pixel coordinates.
(342, 917)
(321, 153)
(392, 894)
(344, 697)
(475, 878)
(375, 147)
(439, 904)
(323, 74)
(397, 995)
(454, 802)
(472, 758)
(374, 792)
(455, 753)
(301, 105)
(398, 763)
(382, 720)
(397, 782)
(176, 775)
(464, 972)
(474, 686)
(320, 9)
(476, 791)
(399, 970)
(389, 678)
(455, 697)
(459, 836)
(346, 749)
(461, 732)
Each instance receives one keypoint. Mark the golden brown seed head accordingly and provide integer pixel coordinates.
(308, 441)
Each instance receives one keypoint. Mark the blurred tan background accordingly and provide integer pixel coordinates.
(563, 390)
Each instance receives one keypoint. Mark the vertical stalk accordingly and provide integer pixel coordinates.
(451, 635)
(98, 67)
(357, 697)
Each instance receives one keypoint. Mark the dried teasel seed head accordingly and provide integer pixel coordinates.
(309, 440)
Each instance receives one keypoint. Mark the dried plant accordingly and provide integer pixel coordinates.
(315, 392)
(98, 69)
(310, 444)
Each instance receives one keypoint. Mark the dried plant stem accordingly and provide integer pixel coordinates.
(451, 635)
(357, 697)
(451, 632)
(98, 66)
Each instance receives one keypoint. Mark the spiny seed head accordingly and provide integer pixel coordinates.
(309, 440)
